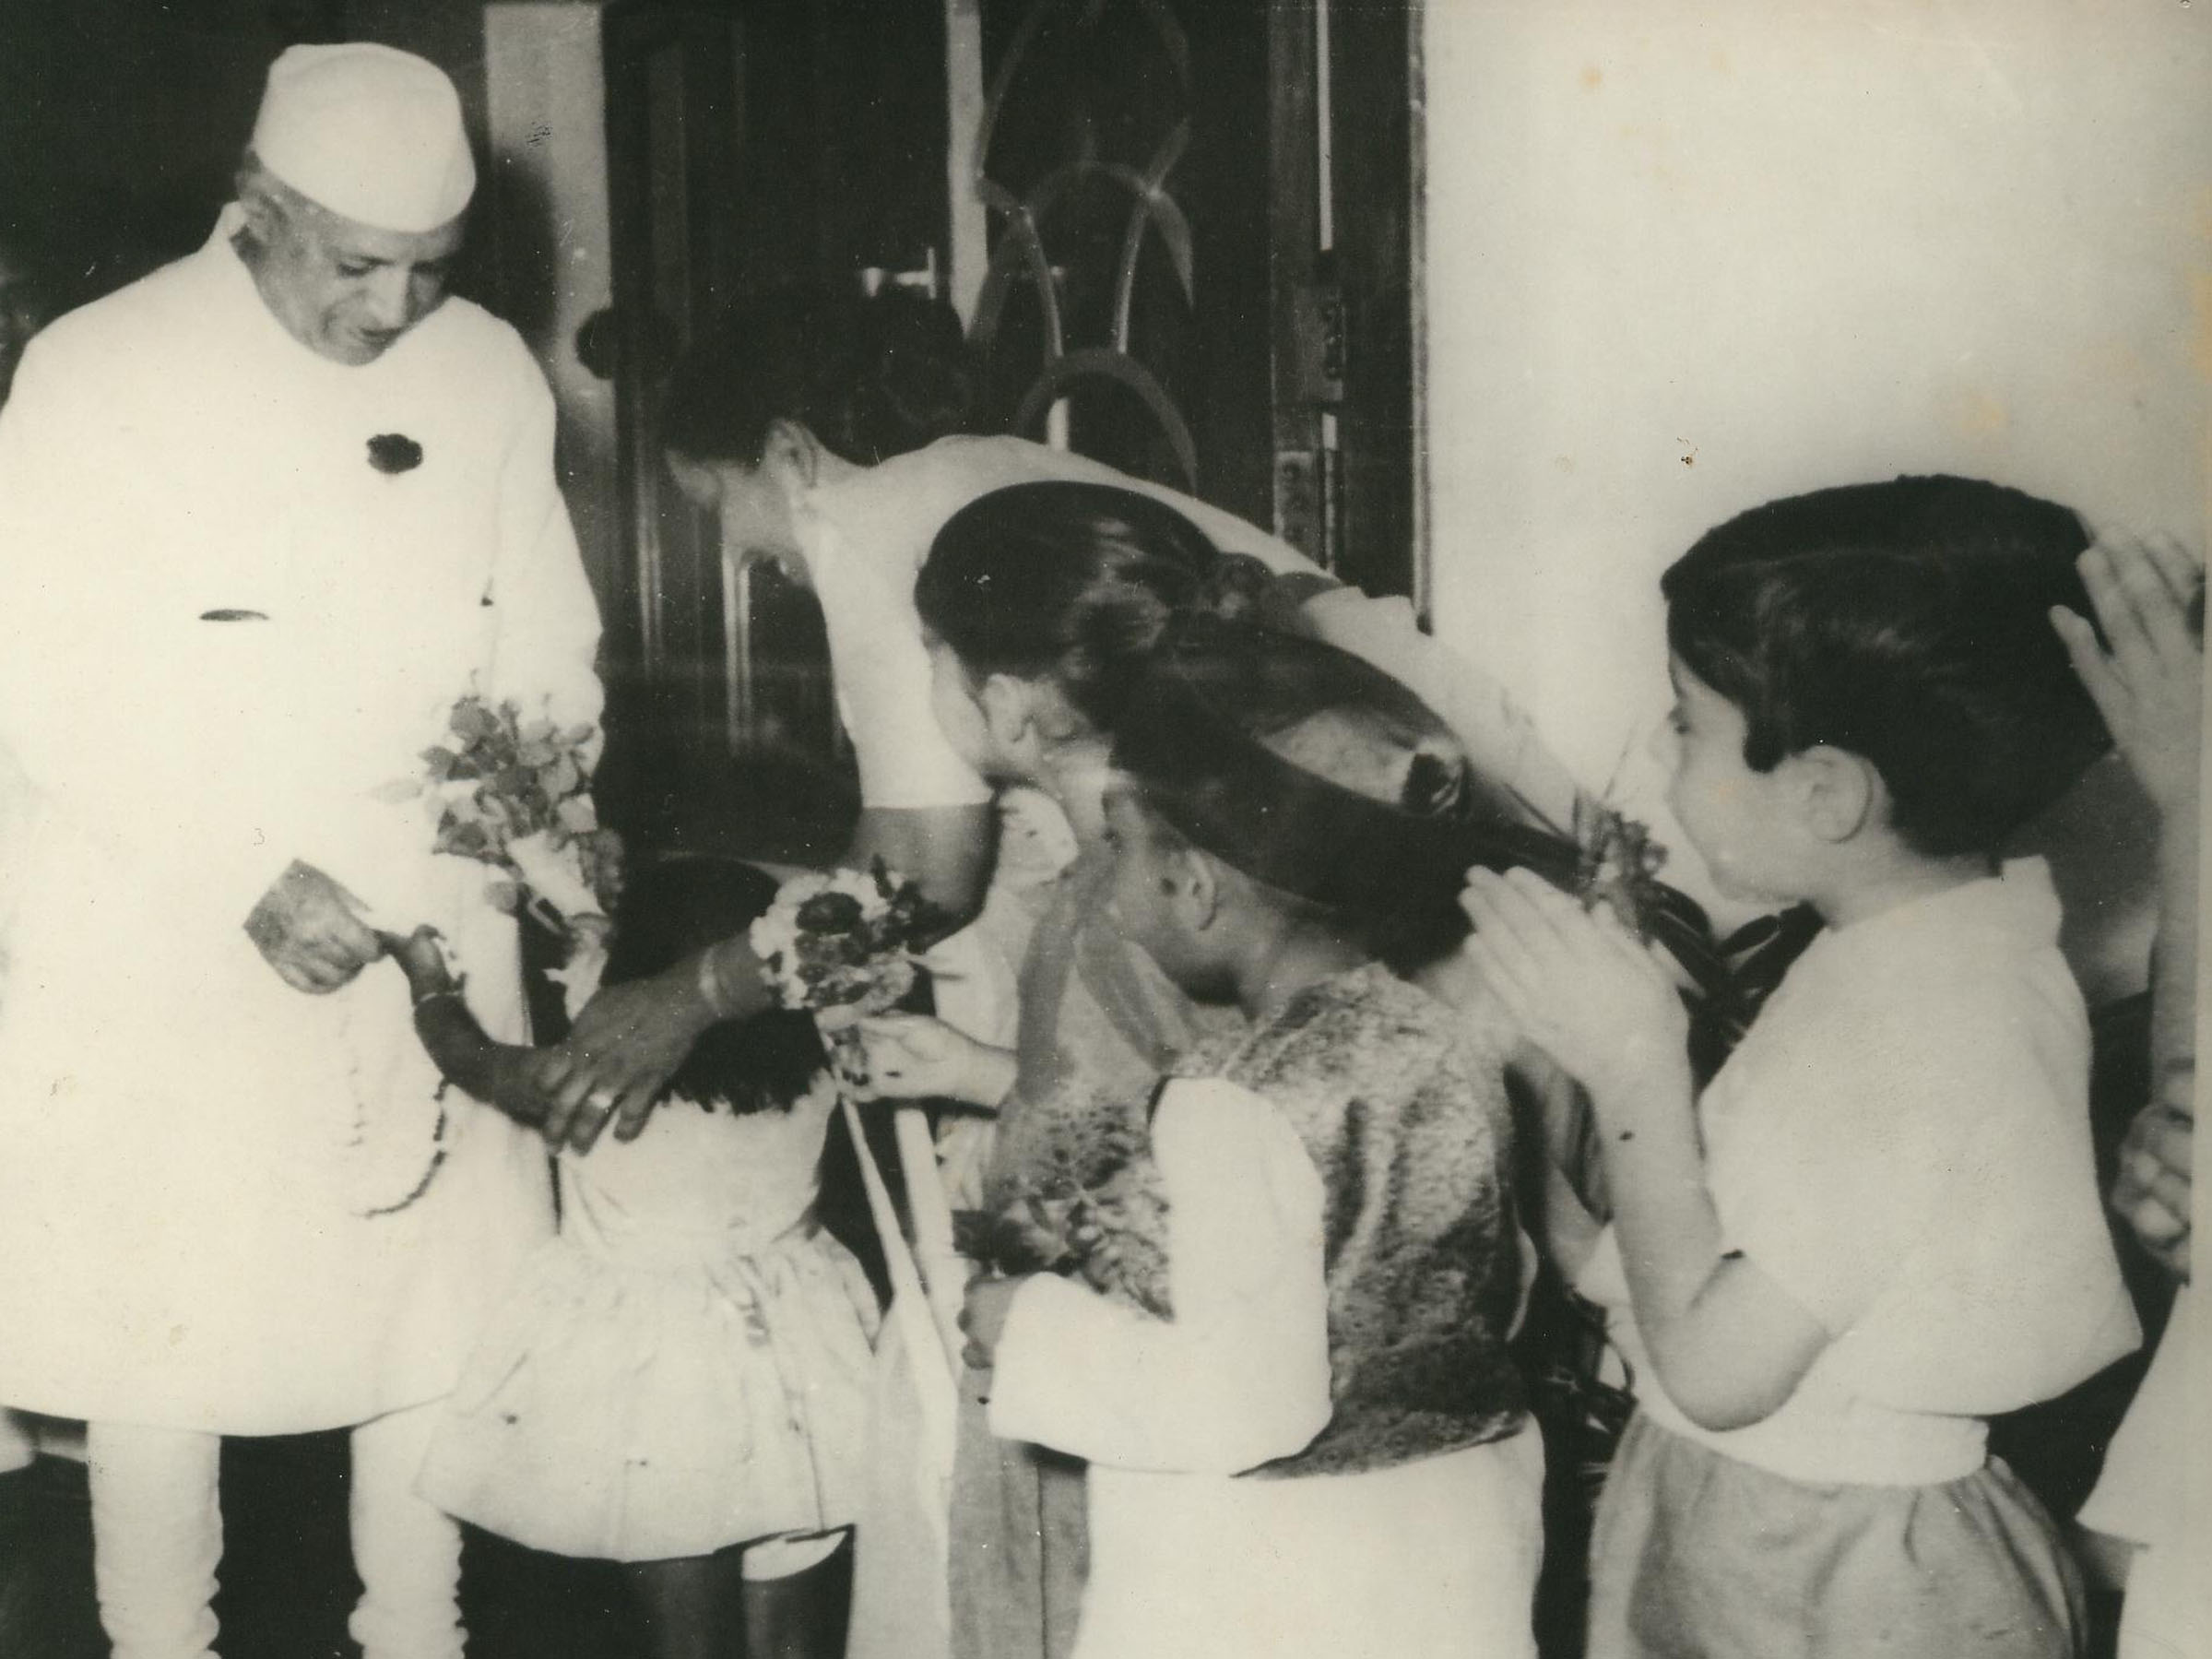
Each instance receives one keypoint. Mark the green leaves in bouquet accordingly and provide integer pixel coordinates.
(1618, 865)
(473, 719)
(532, 778)
(530, 775)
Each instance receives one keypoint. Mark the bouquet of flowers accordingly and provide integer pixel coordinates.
(1617, 865)
(1097, 1213)
(515, 794)
(843, 946)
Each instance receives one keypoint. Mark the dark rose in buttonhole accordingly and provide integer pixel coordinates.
(395, 452)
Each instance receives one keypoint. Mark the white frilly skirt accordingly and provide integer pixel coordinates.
(638, 1410)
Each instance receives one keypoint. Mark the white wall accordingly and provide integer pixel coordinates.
(1684, 257)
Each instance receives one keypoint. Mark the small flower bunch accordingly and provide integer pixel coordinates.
(1617, 865)
(844, 946)
(1106, 1225)
(515, 794)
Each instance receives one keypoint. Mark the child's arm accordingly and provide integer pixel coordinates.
(1729, 1344)
(494, 1072)
(1561, 1171)
(915, 1057)
(1240, 1375)
(1561, 1175)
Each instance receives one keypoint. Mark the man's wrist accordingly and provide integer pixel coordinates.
(706, 984)
(717, 994)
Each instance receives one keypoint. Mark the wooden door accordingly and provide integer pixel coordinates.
(1201, 251)
(1182, 231)
(749, 145)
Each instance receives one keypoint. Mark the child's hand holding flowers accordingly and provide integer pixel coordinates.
(844, 946)
(1579, 985)
(915, 1057)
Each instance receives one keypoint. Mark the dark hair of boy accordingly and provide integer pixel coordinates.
(1907, 623)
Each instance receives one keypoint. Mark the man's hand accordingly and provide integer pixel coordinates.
(309, 928)
(619, 1055)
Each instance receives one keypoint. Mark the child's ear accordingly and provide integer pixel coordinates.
(1009, 712)
(1057, 720)
(1194, 888)
(1838, 793)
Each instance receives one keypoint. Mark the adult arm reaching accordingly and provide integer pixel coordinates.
(629, 1041)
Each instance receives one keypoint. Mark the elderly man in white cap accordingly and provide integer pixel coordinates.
(266, 516)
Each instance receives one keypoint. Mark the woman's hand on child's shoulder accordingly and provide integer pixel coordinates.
(913, 1056)
(2147, 676)
(1578, 983)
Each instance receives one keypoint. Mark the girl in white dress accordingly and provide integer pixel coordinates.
(678, 1380)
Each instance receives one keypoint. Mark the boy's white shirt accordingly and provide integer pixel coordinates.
(1902, 1144)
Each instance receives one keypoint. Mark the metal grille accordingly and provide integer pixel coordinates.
(1088, 303)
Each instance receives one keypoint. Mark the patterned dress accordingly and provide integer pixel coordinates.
(1100, 1023)
(1389, 1504)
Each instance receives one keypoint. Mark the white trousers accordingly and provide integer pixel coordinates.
(157, 1537)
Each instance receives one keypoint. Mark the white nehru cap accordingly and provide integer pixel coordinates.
(371, 133)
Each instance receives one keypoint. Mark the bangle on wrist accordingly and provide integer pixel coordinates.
(428, 997)
(712, 991)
